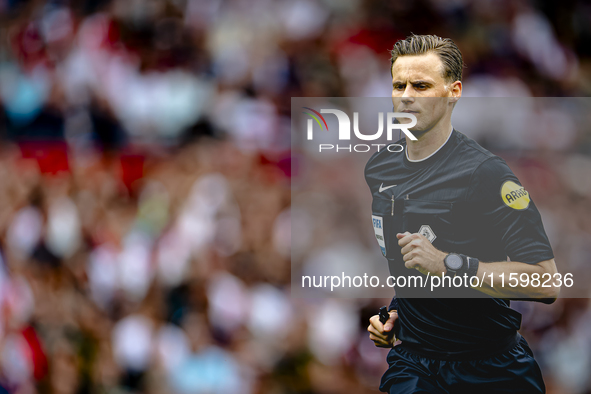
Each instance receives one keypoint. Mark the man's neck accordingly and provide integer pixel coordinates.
(428, 143)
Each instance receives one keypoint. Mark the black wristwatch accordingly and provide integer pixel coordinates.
(454, 263)
(459, 264)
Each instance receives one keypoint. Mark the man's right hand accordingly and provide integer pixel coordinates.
(382, 335)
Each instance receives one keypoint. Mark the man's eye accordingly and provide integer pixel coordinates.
(398, 87)
(421, 86)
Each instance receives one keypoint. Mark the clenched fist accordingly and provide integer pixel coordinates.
(382, 335)
(418, 253)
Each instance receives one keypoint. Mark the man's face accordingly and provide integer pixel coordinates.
(416, 82)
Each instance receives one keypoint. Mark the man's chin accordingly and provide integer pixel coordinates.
(418, 132)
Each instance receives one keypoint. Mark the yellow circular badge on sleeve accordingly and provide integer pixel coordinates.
(514, 195)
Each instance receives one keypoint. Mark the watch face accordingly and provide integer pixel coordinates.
(454, 262)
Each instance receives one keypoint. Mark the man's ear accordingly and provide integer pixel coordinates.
(455, 91)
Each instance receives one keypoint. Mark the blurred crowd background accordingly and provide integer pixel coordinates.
(145, 185)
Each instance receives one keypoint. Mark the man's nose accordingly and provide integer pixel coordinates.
(407, 96)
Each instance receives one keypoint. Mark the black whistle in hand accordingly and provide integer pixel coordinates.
(384, 315)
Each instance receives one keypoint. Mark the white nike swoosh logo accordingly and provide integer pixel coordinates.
(384, 188)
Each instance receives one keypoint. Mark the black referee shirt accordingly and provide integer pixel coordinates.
(465, 200)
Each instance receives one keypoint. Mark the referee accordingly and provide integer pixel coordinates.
(447, 206)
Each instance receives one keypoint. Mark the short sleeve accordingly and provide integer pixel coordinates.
(505, 206)
(393, 304)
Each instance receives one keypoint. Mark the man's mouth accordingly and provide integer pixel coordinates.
(409, 111)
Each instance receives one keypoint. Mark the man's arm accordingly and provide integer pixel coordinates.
(418, 253)
(393, 304)
(502, 271)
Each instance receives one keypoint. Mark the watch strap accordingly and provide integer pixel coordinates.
(470, 265)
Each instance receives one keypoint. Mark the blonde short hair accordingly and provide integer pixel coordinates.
(445, 48)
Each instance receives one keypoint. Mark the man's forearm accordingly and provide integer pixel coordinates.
(502, 272)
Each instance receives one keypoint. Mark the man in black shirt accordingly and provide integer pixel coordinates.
(447, 206)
